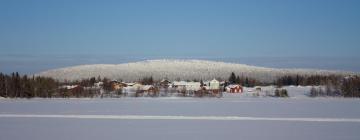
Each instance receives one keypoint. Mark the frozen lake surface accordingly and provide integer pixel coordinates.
(230, 117)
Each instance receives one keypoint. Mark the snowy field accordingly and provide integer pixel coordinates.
(231, 117)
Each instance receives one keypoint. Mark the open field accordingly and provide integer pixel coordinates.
(180, 118)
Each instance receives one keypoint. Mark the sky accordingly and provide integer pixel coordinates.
(36, 35)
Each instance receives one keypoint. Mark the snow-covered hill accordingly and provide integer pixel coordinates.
(175, 69)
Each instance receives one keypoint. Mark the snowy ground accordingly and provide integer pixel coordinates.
(293, 91)
(231, 117)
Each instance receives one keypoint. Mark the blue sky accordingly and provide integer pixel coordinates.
(62, 31)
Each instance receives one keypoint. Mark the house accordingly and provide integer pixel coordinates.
(70, 90)
(234, 88)
(77, 90)
(137, 86)
(129, 84)
(165, 83)
(98, 84)
(149, 89)
(214, 85)
(193, 86)
(179, 85)
(188, 86)
(134, 86)
(115, 85)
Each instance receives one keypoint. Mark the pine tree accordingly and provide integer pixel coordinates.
(246, 84)
(297, 80)
(18, 85)
(28, 89)
(232, 78)
(2, 85)
(92, 81)
(238, 80)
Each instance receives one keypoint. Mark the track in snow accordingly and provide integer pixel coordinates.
(212, 118)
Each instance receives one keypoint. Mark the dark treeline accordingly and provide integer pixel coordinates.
(245, 81)
(312, 80)
(330, 85)
(15, 85)
(147, 80)
(351, 86)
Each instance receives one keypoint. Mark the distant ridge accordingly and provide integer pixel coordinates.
(174, 69)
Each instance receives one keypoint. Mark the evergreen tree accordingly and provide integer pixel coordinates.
(92, 81)
(232, 78)
(28, 89)
(297, 80)
(246, 83)
(201, 83)
(2, 85)
(237, 80)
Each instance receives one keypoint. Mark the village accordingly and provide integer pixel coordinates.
(162, 88)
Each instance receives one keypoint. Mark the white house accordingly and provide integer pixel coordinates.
(214, 84)
(135, 85)
(148, 89)
(193, 86)
(181, 85)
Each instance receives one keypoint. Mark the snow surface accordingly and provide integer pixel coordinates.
(235, 116)
(293, 92)
(174, 69)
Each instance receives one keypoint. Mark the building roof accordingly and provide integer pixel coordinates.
(69, 86)
(214, 81)
(147, 87)
(165, 80)
(233, 86)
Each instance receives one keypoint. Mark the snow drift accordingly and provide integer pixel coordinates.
(175, 70)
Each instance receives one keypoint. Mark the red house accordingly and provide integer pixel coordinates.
(234, 88)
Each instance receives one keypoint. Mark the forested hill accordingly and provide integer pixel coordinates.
(177, 69)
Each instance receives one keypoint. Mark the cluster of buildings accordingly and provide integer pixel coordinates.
(186, 88)
(212, 86)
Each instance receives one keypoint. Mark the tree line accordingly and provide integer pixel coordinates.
(245, 81)
(22, 86)
(14, 85)
(345, 87)
(324, 85)
(311, 80)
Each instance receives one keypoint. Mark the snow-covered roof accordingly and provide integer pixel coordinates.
(130, 84)
(147, 87)
(69, 86)
(214, 81)
(179, 83)
(233, 86)
(165, 80)
(99, 84)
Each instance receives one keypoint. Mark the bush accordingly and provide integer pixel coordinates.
(284, 93)
(277, 93)
(281, 93)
